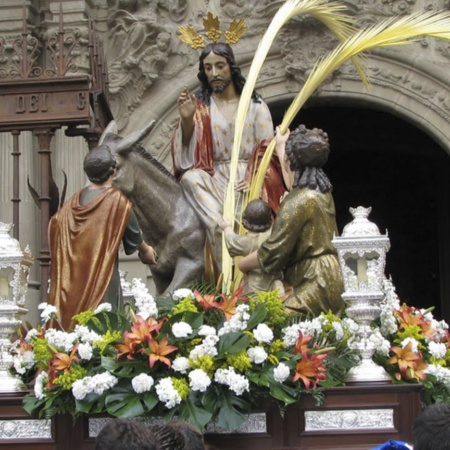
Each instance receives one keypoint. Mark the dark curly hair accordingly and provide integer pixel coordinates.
(125, 435)
(224, 50)
(308, 151)
(99, 164)
(431, 428)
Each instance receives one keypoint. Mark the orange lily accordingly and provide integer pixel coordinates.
(62, 361)
(301, 345)
(128, 347)
(417, 373)
(404, 357)
(206, 301)
(157, 351)
(310, 370)
(228, 306)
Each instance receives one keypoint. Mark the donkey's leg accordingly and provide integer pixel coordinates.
(187, 272)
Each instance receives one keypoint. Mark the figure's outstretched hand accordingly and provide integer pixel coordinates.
(224, 224)
(147, 254)
(281, 139)
(186, 104)
(242, 186)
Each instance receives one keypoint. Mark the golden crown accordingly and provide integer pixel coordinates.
(235, 31)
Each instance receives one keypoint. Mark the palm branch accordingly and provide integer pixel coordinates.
(390, 32)
(329, 13)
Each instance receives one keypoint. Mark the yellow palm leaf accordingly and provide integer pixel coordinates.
(393, 31)
(330, 13)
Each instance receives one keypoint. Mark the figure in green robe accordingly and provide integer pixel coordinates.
(300, 241)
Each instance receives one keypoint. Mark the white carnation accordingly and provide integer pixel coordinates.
(180, 364)
(263, 334)
(438, 350)
(236, 383)
(257, 355)
(181, 329)
(39, 385)
(142, 383)
(85, 351)
(103, 307)
(167, 393)
(179, 294)
(281, 373)
(206, 330)
(199, 380)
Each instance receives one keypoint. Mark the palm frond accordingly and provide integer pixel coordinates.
(393, 31)
(330, 13)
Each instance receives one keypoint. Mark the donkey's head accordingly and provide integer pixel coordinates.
(121, 148)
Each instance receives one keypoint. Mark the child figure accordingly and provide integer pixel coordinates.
(257, 219)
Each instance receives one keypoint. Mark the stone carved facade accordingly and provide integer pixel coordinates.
(148, 66)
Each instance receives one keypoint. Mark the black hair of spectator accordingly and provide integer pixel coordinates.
(125, 435)
(431, 428)
(178, 435)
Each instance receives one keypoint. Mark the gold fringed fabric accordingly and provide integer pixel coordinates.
(84, 242)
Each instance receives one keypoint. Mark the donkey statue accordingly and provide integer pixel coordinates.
(168, 222)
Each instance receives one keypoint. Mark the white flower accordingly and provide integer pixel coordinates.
(167, 393)
(80, 388)
(207, 347)
(180, 364)
(199, 380)
(339, 330)
(257, 355)
(179, 294)
(181, 329)
(103, 307)
(442, 374)
(438, 350)
(97, 384)
(263, 334)
(39, 388)
(290, 334)
(238, 322)
(85, 351)
(85, 335)
(281, 373)
(144, 302)
(206, 330)
(23, 362)
(48, 311)
(236, 383)
(103, 382)
(142, 383)
(381, 345)
(61, 339)
(29, 338)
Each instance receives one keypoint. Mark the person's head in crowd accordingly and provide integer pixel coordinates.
(178, 435)
(431, 428)
(120, 434)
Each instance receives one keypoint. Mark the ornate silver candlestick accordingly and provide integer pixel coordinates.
(14, 270)
(362, 256)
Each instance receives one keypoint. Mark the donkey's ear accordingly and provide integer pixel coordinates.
(111, 128)
(127, 143)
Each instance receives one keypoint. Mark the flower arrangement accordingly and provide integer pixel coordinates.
(414, 347)
(209, 357)
(200, 357)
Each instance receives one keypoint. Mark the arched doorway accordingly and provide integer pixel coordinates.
(382, 161)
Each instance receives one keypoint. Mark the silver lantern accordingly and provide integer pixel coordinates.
(362, 257)
(14, 271)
